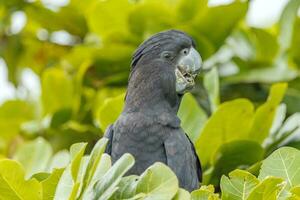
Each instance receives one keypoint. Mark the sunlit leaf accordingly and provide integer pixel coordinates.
(233, 155)
(286, 23)
(50, 184)
(205, 193)
(269, 189)
(182, 195)
(283, 163)
(110, 110)
(158, 182)
(107, 185)
(192, 116)
(238, 186)
(232, 120)
(57, 90)
(13, 183)
(34, 156)
(211, 83)
(264, 115)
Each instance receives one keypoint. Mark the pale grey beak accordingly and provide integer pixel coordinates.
(186, 71)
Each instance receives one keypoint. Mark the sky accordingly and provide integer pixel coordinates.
(262, 13)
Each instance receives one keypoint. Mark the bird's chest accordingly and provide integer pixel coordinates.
(140, 136)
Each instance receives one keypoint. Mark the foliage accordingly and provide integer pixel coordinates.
(93, 177)
(244, 109)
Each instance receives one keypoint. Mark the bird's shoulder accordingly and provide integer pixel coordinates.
(148, 119)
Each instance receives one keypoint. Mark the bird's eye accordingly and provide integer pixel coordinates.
(185, 51)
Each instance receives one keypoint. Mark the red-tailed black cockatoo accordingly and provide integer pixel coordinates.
(163, 68)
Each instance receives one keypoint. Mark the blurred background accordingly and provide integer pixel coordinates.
(64, 64)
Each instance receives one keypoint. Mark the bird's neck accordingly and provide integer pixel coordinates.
(147, 93)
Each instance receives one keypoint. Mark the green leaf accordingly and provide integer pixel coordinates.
(50, 184)
(13, 184)
(64, 186)
(238, 186)
(192, 116)
(208, 25)
(205, 193)
(110, 110)
(34, 156)
(158, 182)
(77, 151)
(114, 23)
(107, 185)
(94, 160)
(286, 23)
(150, 17)
(12, 115)
(60, 117)
(127, 187)
(283, 163)
(102, 168)
(60, 160)
(57, 90)
(295, 193)
(182, 195)
(234, 154)
(231, 121)
(211, 84)
(268, 189)
(264, 115)
(186, 10)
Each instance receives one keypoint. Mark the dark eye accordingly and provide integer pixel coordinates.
(185, 51)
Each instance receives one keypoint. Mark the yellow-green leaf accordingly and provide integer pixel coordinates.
(13, 186)
(231, 121)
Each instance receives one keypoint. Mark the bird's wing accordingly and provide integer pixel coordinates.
(198, 163)
(182, 159)
(109, 133)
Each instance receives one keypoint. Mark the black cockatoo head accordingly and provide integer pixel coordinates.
(175, 47)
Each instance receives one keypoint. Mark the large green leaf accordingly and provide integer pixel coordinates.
(57, 90)
(94, 160)
(12, 115)
(238, 186)
(216, 23)
(158, 182)
(264, 115)
(107, 185)
(14, 186)
(110, 110)
(104, 19)
(283, 163)
(64, 186)
(211, 83)
(295, 193)
(150, 17)
(205, 193)
(127, 188)
(231, 121)
(69, 183)
(233, 155)
(57, 20)
(50, 184)
(192, 116)
(77, 151)
(286, 23)
(186, 10)
(268, 189)
(34, 156)
(182, 195)
(60, 160)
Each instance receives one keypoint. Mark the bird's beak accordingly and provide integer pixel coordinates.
(186, 71)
